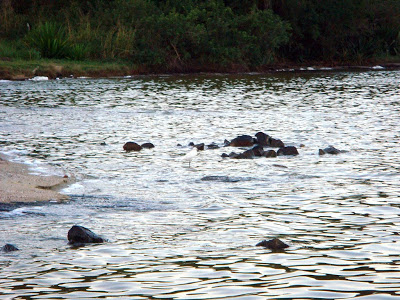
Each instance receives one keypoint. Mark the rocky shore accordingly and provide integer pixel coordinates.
(18, 185)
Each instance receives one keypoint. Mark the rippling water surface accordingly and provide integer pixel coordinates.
(174, 236)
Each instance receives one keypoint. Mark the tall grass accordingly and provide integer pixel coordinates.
(17, 50)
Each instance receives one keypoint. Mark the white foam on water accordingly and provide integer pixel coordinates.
(39, 78)
(20, 211)
(35, 166)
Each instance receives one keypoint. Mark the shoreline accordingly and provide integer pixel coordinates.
(17, 185)
(17, 70)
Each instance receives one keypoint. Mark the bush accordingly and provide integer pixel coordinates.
(50, 40)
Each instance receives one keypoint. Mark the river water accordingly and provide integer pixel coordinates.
(172, 235)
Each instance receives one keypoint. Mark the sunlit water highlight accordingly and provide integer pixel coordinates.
(174, 236)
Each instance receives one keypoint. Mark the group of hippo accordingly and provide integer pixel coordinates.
(257, 143)
(79, 235)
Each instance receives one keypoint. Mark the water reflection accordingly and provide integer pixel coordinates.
(175, 236)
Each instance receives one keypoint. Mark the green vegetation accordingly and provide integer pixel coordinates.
(202, 35)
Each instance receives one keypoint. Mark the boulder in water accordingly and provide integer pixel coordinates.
(242, 141)
(276, 143)
(258, 150)
(289, 150)
(9, 248)
(274, 244)
(270, 153)
(147, 145)
(132, 146)
(82, 235)
(248, 154)
(212, 146)
(263, 139)
(200, 146)
(329, 150)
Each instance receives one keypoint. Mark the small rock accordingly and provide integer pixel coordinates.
(321, 152)
(191, 144)
(82, 235)
(179, 145)
(9, 248)
(274, 244)
(226, 142)
(242, 141)
(200, 146)
(289, 150)
(212, 146)
(132, 146)
(103, 144)
(233, 155)
(224, 155)
(331, 150)
(147, 145)
(270, 153)
(263, 139)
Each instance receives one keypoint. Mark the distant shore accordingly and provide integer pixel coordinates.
(25, 70)
(18, 185)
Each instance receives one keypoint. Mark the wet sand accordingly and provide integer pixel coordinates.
(18, 185)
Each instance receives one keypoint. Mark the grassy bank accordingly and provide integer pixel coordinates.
(24, 69)
(19, 69)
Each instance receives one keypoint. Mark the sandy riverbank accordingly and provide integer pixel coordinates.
(18, 185)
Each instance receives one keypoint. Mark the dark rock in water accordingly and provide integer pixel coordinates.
(147, 145)
(242, 141)
(289, 150)
(275, 143)
(103, 144)
(274, 244)
(258, 150)
(226, 143)
(200, 147)
(191, 144)
(219, 179)
(321, 152)
(330, 150)
(270, 153)
(9, 248)
(132, 146)
(233, 155)
(263, 139)
(248, 154)
(224, 155)
(82, 235)
(212, 146)
(179, 145)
